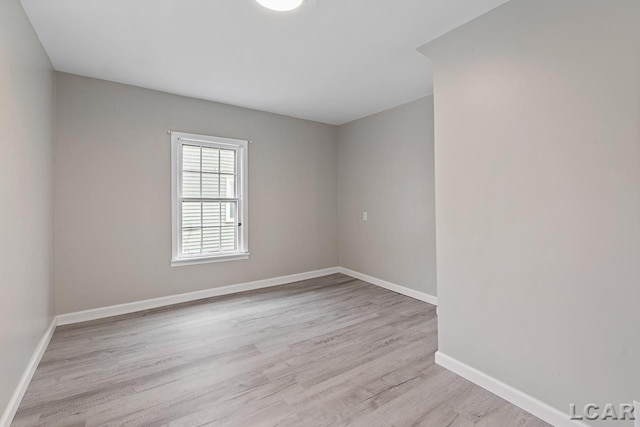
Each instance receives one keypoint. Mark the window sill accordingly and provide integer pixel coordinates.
(206, 260)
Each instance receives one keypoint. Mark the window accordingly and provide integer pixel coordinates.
(209, 196)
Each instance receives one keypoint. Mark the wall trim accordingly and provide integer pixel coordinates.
(25, 380)
(136, 306)
(529, 403)
(422, 296)
(132, 307)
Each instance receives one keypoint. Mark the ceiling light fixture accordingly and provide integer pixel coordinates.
(280, 5)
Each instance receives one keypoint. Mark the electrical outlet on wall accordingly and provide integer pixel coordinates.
(365, 216)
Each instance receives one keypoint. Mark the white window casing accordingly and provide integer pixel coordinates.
(209, 195)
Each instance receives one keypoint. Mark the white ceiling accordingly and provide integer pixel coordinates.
(331, 61)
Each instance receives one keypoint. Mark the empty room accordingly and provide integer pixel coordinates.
(312, 213)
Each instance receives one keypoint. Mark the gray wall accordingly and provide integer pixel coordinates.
(26, 162)
(386, 169)
(113, 198)
(538, 197)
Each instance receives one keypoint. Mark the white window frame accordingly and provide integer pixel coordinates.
(241, 147)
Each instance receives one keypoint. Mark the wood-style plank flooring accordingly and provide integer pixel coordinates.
(332, 351)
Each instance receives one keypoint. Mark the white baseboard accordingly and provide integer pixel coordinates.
(132, 307)
(115, 310)
(422, 296)
(530, 404)
(18, 394)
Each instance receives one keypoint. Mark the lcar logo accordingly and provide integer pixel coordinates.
(609, 411)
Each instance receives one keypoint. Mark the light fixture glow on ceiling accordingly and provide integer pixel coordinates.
(280, 5)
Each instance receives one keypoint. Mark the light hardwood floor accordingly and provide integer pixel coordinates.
(332, 351)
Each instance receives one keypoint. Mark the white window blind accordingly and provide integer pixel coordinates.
(209, 198)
